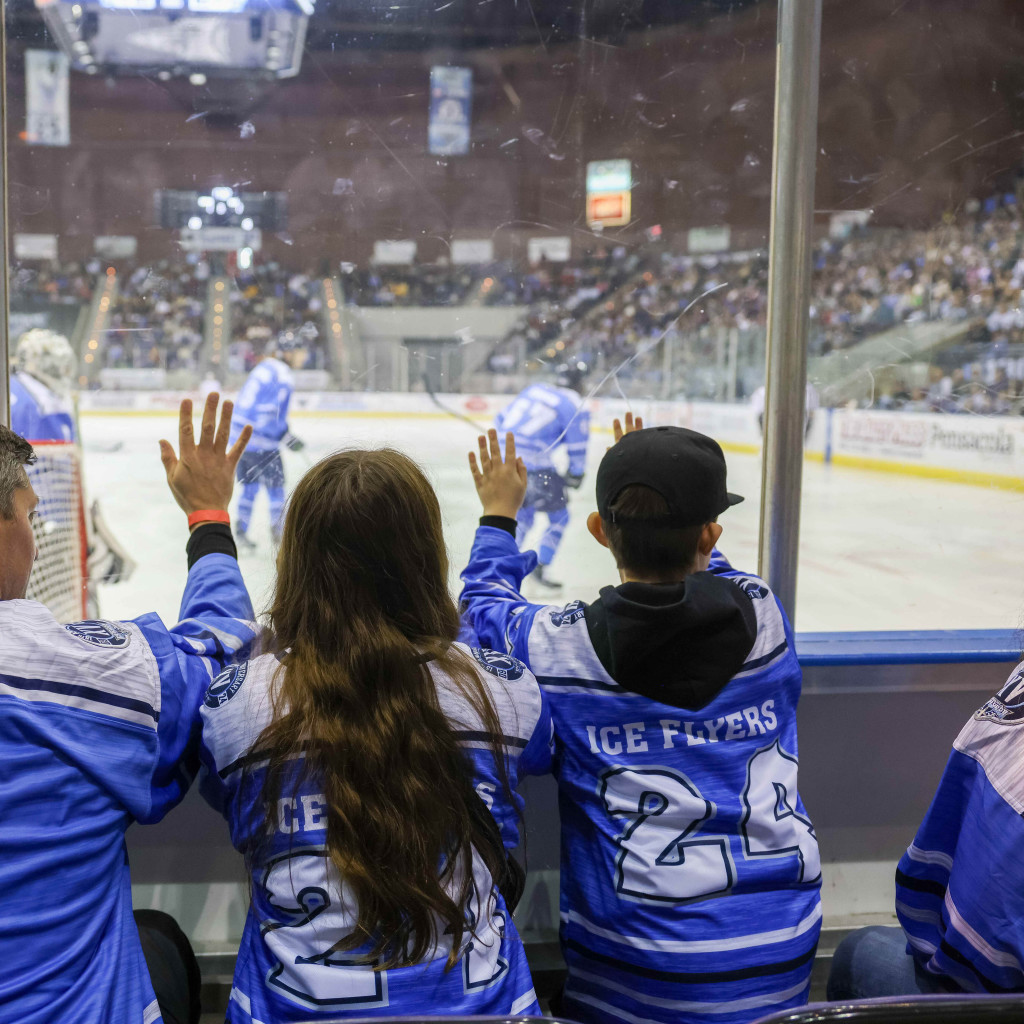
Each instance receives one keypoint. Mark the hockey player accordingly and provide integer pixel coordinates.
(41, 387)
(542, 418)
(958, 893)
(359, 760)
(41, 410)
(690, 881)
(96, 732)
(263, 405)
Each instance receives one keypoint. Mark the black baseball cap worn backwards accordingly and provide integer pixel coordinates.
(686, 468)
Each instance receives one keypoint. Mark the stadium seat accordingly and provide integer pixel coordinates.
(951, 1009)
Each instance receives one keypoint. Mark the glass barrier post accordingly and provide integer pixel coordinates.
(794, 151)
(5, 361)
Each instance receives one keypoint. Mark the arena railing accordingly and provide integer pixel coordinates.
(945, 1009)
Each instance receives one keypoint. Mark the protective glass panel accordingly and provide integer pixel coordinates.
(418, 210)
(913, 474)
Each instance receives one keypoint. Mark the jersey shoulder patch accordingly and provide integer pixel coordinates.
(504, 666)
(99, 633)
(1007, 706)
(754, 588)
(226, 685)
(572, 612)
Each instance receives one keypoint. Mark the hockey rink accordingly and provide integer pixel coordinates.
(878, 551)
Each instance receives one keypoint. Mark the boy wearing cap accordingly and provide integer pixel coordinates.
(690, 878)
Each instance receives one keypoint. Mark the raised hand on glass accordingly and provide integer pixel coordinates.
(500, 483)
(202, 476)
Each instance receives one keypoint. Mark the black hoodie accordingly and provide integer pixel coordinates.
(676, 643)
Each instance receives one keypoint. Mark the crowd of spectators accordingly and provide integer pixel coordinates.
(606, 307)
(156, 320)
(268, 299)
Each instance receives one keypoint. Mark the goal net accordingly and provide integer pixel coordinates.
(59, 577)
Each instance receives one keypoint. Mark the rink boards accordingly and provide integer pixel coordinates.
(985, 450)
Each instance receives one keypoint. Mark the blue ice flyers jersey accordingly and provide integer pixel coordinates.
(958, 891)
(263, 403)
(690, 879)
(96, 731)
(542, 418)
(287, 967)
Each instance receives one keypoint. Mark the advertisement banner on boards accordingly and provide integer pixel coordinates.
(451, 99)
(47, 117)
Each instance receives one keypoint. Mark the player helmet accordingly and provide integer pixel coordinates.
(571, 375)
(286, 341)
(48, 357)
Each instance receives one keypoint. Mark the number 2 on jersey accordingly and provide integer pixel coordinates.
(665, 854)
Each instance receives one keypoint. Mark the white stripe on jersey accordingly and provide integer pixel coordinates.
(930, 857)
(526, 1000)
(678, 1005)
(748, 941)
(915, 914)
(151, 1013)
(997, 957)
(80, 702)
(244, 1002)
(41, 662)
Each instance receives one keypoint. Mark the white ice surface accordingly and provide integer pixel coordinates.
(878, 551)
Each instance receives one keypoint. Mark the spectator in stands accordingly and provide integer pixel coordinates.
(96, 733)
(353, 758)
(958, 895)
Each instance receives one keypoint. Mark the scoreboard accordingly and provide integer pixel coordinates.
(262, 38)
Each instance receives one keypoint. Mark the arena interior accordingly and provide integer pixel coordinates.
(439, 204)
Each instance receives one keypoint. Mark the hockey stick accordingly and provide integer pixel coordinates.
(451, 412)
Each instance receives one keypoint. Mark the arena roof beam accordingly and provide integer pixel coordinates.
(789, 282)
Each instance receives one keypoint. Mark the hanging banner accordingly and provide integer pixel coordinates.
(609, 192)
(451, 97)
(47, 120)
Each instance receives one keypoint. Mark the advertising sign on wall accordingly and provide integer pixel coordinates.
(394, 252)
(609, 192)
(472, 250)
(555, 249)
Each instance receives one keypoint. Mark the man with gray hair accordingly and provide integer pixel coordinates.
(17, 510)
(96, 731)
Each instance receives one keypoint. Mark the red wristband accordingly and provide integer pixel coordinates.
(209, 515)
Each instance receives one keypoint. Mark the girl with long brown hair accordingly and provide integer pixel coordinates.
(353, 758)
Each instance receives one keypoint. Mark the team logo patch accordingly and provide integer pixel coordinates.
(504, 666)
(754, 589)
(1007, 706)
(226, 685)
(572, 612)
(100, 634)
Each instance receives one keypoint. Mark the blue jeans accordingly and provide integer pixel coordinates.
(873, 962)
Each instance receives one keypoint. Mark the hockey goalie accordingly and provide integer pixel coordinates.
(76, 550)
